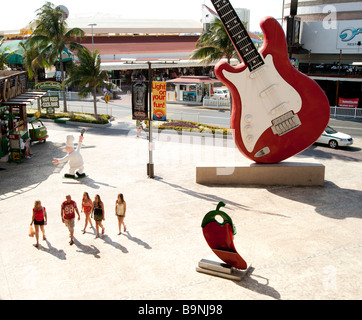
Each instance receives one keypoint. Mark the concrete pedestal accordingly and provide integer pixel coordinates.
(283, 173)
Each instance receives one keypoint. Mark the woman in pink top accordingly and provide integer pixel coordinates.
(39, 219)
(87, 209)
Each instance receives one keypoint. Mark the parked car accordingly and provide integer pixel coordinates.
(221, 93)
(334, 138)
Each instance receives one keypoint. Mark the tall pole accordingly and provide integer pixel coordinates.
(92, 25)
(150, 165)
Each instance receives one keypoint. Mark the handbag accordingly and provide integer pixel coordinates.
(31, 231)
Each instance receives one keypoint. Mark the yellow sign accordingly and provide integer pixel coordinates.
(159, 100)
(106, 98)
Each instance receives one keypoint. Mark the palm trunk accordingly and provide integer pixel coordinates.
(62, 78)
(94, 91)
(36, 79)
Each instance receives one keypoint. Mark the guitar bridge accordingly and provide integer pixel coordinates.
(285, 123)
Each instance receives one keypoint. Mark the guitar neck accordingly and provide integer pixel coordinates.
(238, 34)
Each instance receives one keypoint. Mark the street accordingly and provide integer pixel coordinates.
(122, 108)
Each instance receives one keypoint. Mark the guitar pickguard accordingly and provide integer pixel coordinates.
(267, 100)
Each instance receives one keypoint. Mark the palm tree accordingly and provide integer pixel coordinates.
(52, 37)
(33, 60)
(214, 44)
(4, 55)
(87, 75)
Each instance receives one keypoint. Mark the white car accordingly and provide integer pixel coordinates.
(221, 93)
(334, 138)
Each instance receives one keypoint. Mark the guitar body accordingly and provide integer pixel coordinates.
(277, 111)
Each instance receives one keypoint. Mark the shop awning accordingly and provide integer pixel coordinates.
(15, 52)
(329, 78)
(158, 64)
(192, 80)
(24, 98)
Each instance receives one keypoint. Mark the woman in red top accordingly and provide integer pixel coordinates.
(87, 208)
(39, 219)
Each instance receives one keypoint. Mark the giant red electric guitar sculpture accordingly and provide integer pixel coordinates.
(277, 111)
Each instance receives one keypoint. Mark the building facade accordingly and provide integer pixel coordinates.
(329, 44)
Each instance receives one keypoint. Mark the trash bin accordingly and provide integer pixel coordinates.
(114, 94)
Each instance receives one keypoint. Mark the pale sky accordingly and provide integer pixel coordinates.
(16, 15)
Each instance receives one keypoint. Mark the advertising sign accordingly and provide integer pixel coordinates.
(349, 34)
(140, 101)
(348, 103)
(49, 85)
(50, 103)
(159, 100)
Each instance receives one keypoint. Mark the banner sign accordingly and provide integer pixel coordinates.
(49, 85)
(348, 103)
(159, 100)
(140, 101)
(50, 102)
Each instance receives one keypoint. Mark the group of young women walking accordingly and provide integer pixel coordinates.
(92, 209)
(95, 209)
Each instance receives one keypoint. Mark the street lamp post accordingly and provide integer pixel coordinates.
(150, 165)
(92, 25)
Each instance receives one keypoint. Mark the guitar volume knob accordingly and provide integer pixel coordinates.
(248, 129)
(248, 118)
(249, 138)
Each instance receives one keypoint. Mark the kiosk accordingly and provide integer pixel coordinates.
(13, 116)
(192, 89)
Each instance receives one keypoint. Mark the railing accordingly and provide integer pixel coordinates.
(355, 113)
(70, 95)
(216, 103)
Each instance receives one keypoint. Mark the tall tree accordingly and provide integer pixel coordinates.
(214, 44)
(52, 37)
(86, 74)
(4, 55)
(33, 60)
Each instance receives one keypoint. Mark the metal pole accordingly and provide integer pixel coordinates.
(92, 25)
(150, 165)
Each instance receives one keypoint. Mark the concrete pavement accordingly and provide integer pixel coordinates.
(302, 242)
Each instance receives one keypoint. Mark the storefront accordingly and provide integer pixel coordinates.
(327, 43)
(192, 89)
(13, 115)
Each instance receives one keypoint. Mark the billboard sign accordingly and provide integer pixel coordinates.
(349, 34)
(159, 100)
(140, 101)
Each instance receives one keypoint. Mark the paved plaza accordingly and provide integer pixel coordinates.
(302, 242)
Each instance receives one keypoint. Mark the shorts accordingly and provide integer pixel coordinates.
(70, 224)
(39, 223)
(98, 217)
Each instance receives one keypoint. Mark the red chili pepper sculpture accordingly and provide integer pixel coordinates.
(219, 237)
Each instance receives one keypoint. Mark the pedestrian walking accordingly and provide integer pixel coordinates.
(140, 125)
(68, 209)
(98, 213)
(39, 219)
(120, 211)
(87, 209)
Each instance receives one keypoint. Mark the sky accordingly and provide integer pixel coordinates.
(18, 14)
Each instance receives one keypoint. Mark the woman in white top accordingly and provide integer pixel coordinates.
(121, 212)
